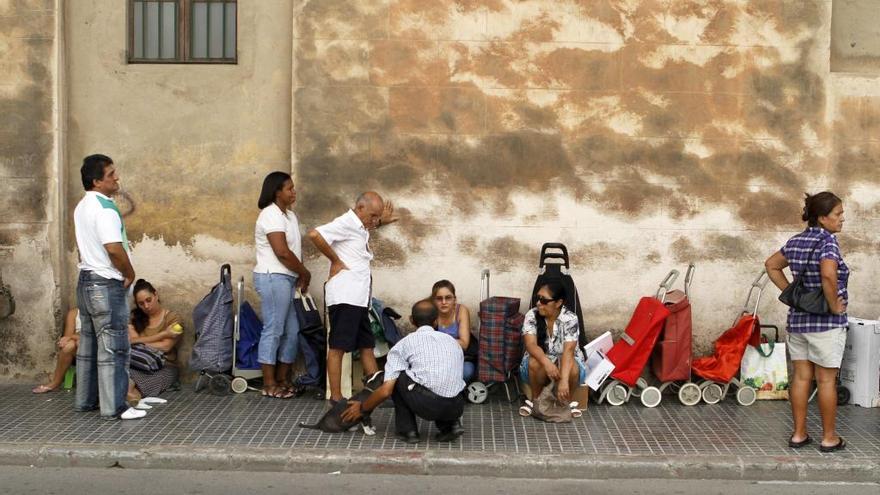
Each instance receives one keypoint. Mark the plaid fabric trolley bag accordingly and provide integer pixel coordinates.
(500, 338)
(499, 344)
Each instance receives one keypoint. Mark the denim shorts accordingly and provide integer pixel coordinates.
(524, 370)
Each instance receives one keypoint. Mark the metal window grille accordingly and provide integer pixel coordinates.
(183, 31)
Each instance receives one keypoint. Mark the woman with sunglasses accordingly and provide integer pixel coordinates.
(454, 320)
(550, 332)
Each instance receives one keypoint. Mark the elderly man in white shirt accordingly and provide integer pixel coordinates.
(423, 375)
(346, 243)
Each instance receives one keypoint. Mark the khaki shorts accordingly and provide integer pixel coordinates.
(822, 348)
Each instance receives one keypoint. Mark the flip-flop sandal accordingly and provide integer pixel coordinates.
(525, 410)
(41, 389)
(282, 393)
(575, 412)
(841, 444)
(267, 393)
(796, 445)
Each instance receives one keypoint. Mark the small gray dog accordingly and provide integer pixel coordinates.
(332, 422)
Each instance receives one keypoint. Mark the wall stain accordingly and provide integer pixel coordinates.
(715, 247)
(505, 254)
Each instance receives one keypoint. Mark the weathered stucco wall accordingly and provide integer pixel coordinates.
(28, 183)
(643, 134)
(192, 143)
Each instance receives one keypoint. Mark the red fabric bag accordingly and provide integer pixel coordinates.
(729, 349)
(630, 354)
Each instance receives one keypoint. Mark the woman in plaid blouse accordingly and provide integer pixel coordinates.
(816, 341)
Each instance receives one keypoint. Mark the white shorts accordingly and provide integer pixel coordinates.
(822, 348)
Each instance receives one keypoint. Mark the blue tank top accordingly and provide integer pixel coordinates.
(452, 329)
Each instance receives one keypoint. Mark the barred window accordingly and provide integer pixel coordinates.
(183, 31)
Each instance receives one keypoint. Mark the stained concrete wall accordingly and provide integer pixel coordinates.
(643, 134)
(192, 143)
(855, 36)
(29, 185)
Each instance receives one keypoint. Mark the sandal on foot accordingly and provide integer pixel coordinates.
(575, 412)
(841, 444)
(525, 410)
(42, 389)
(283, 393)
(796, 445)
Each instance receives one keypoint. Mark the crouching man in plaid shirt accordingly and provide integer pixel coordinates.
(423, 375)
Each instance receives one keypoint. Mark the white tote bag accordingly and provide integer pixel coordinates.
(766, 370)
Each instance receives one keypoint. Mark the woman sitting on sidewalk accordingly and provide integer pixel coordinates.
(154, 331)
(454, 320)
(558, 359)
(67, 345)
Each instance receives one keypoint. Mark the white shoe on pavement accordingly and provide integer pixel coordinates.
(143, 406)
(132, 413)
(154, 400)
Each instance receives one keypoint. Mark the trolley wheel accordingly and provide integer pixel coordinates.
(690, 394)
(616, 394)
(219, 384)
(651, 396)
(746, 396)
(239, 385)
(713, 393)
(843, 395)
(477, 392)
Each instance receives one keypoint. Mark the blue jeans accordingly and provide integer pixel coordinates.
(279, 338)
(469, 371)
(103, 354)
(524, 370)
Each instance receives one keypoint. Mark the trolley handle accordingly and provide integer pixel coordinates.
(553, 256)
(762, 280)
(688, 279)
(545, 255)
(756, 291)
(666, 285)
(239, 299)
(775, 329)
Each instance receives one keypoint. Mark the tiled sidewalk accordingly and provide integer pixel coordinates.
(251, 421)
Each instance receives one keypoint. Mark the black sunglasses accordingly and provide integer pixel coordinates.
(546, 300)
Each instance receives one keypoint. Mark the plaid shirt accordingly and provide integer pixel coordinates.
(432, 359)
(796, 251)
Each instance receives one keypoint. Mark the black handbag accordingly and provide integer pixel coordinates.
(803, 299)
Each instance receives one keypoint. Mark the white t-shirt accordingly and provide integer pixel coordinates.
(351, 242)
(97, 222)
(272, 219)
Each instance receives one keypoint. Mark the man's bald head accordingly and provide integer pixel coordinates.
(368, 207)
(424, 313)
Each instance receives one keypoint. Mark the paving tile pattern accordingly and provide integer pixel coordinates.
(249, 420)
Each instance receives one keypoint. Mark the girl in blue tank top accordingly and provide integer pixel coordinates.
(454, 320)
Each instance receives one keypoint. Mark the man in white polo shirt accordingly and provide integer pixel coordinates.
(105, 272)
(346, 243)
